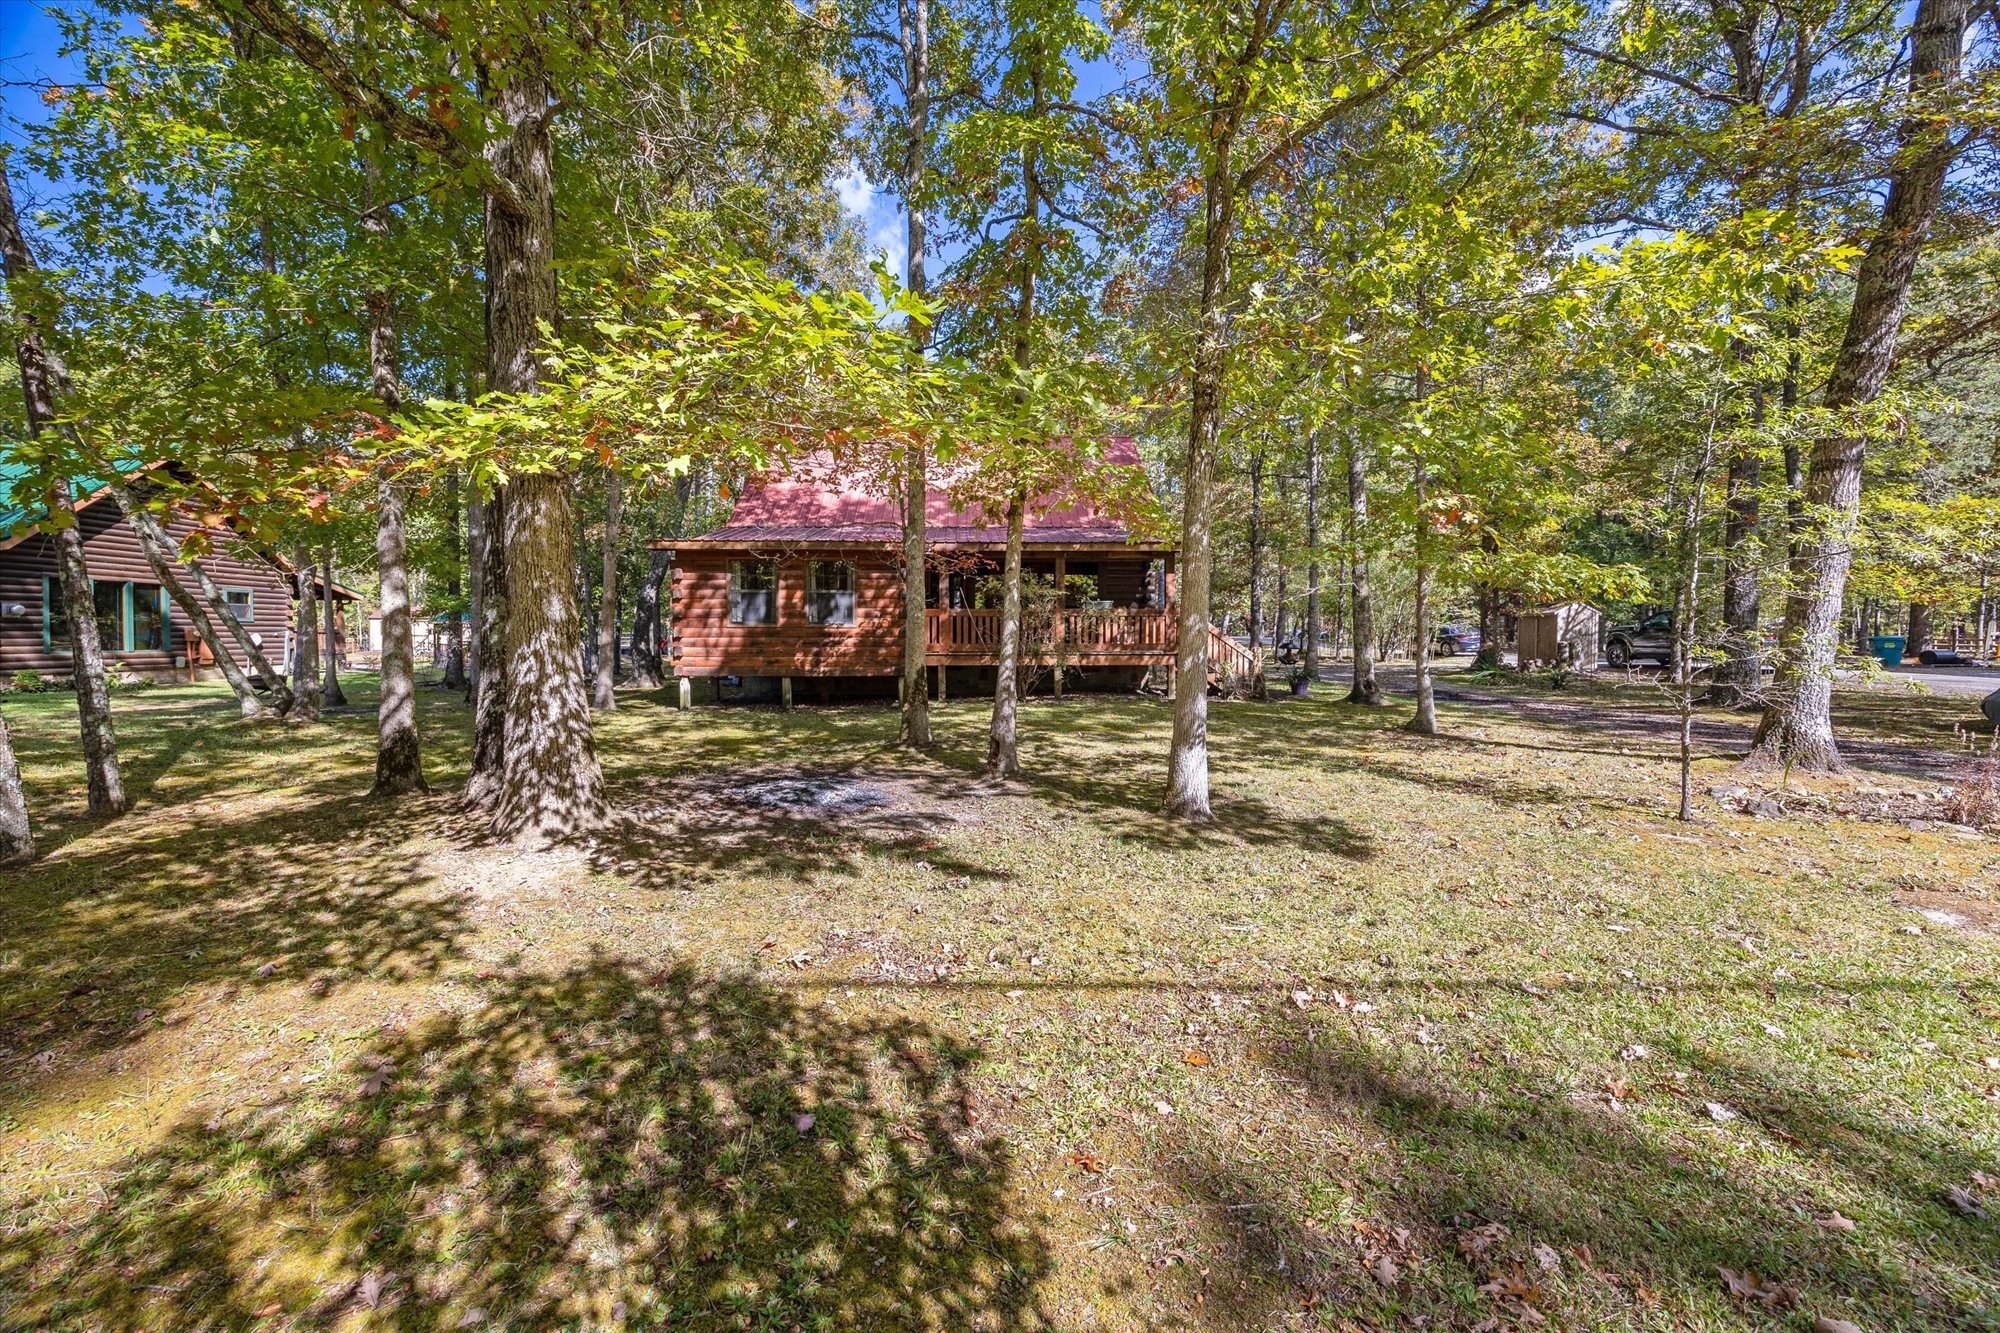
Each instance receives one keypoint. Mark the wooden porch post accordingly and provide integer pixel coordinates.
(940, 682)
(785, 692)
(686, 694)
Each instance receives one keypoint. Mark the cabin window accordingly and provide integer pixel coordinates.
(109, 600)
(149, 618)
(242, 603)
(753, 592)
(830, 592)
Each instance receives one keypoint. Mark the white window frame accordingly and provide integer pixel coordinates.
(736, 591)
(814, 613)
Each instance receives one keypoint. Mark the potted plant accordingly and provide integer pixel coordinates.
(1301, 682)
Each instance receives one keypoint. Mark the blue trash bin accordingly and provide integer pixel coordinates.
(1889, 649)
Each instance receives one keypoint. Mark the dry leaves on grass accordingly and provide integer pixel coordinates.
(1833, 1221)
(1088, 1162)
(1747, 1286)
(1823, 1324)
(1196, 1057)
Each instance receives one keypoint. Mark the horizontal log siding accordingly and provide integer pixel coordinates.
(111, 550)
(706, 644)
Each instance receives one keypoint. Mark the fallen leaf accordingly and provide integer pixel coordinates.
(1302, 998)
(1822, 1324)
(1385, 1271)
(372, 1287)
(1087, 1161)
(1835, 1222)
(1748, 1286)
(270, 1311)
(806, 1122)
(267, 969)
(1718, 1112)
(1633, 1052)
(473, 1317)
(1195, 1056)
(1479, 1241)
(378, 1079)
(1550, 1261)
(1963, 1199)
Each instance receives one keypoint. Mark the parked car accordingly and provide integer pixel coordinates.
(1651, 639)
(1451, 640)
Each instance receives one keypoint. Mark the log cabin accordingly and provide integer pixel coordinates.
(143, 632)
(804, 583)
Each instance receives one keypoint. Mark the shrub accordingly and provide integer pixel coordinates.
(29, 682)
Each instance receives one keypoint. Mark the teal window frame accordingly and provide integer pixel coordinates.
(125, 617)
(249, 603)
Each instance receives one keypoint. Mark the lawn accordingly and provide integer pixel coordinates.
(1460, 1033)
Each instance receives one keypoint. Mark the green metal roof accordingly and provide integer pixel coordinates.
(22, 505)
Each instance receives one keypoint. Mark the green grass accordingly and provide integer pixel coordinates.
(1350, 1057)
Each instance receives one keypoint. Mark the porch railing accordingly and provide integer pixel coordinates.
(1130, 631)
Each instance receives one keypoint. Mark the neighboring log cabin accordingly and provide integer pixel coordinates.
(142, 631)
(805, 584)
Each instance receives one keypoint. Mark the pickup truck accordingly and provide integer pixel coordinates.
(1651, 639)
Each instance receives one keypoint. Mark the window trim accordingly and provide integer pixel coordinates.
(131, 617)
(734, 591)
(853, 590)
(249, 602)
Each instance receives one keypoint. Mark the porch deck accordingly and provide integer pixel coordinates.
(1126, 636)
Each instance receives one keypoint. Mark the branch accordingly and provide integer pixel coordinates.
(1486, 17)
(1635, 130)
(1664, 76)
(315, 51)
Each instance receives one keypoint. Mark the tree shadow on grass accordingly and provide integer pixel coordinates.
(678, 1149)
(1640, 1214)
(122, 924)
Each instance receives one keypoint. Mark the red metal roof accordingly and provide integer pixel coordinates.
(816, 502)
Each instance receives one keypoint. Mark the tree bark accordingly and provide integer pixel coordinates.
(551, 786)
(1002, 750)
(914, 31)
(106, 785)
(607, 608)
(647, 667)
(1797, 726)
(399, 768)
(1187, 757)
(1739, 677)
(489, 636)
(1488, 657)
(1312, 554)
(1259, 686)
(454, 651)
(335, 697)
(1919, 636)
(40, 375)
(305, 651)
(17, 842)
(475, 551)
(1366, 690)
(1424, 722)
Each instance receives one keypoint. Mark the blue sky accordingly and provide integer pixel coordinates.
(29, 40)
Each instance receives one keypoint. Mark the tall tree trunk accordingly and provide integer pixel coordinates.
(399, 768)
(914, 31)
(454, 650)
(1424, 722)
(1488, 657)
(1366, 690)
(305, 650)
(17, 842)
(1002, 744)
(475, 552)
(1919, 636)
(607, 609)
(40, 375)
(551, 786)
(1256, 541)
(1002, 750)
(1739, 677)
(647, 668)
(489, 636)
(1259, 686)
(1312, 554)
(335, 697)
(1187, 757)
(1797, 726)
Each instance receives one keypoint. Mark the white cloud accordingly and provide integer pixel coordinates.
(856, 192)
